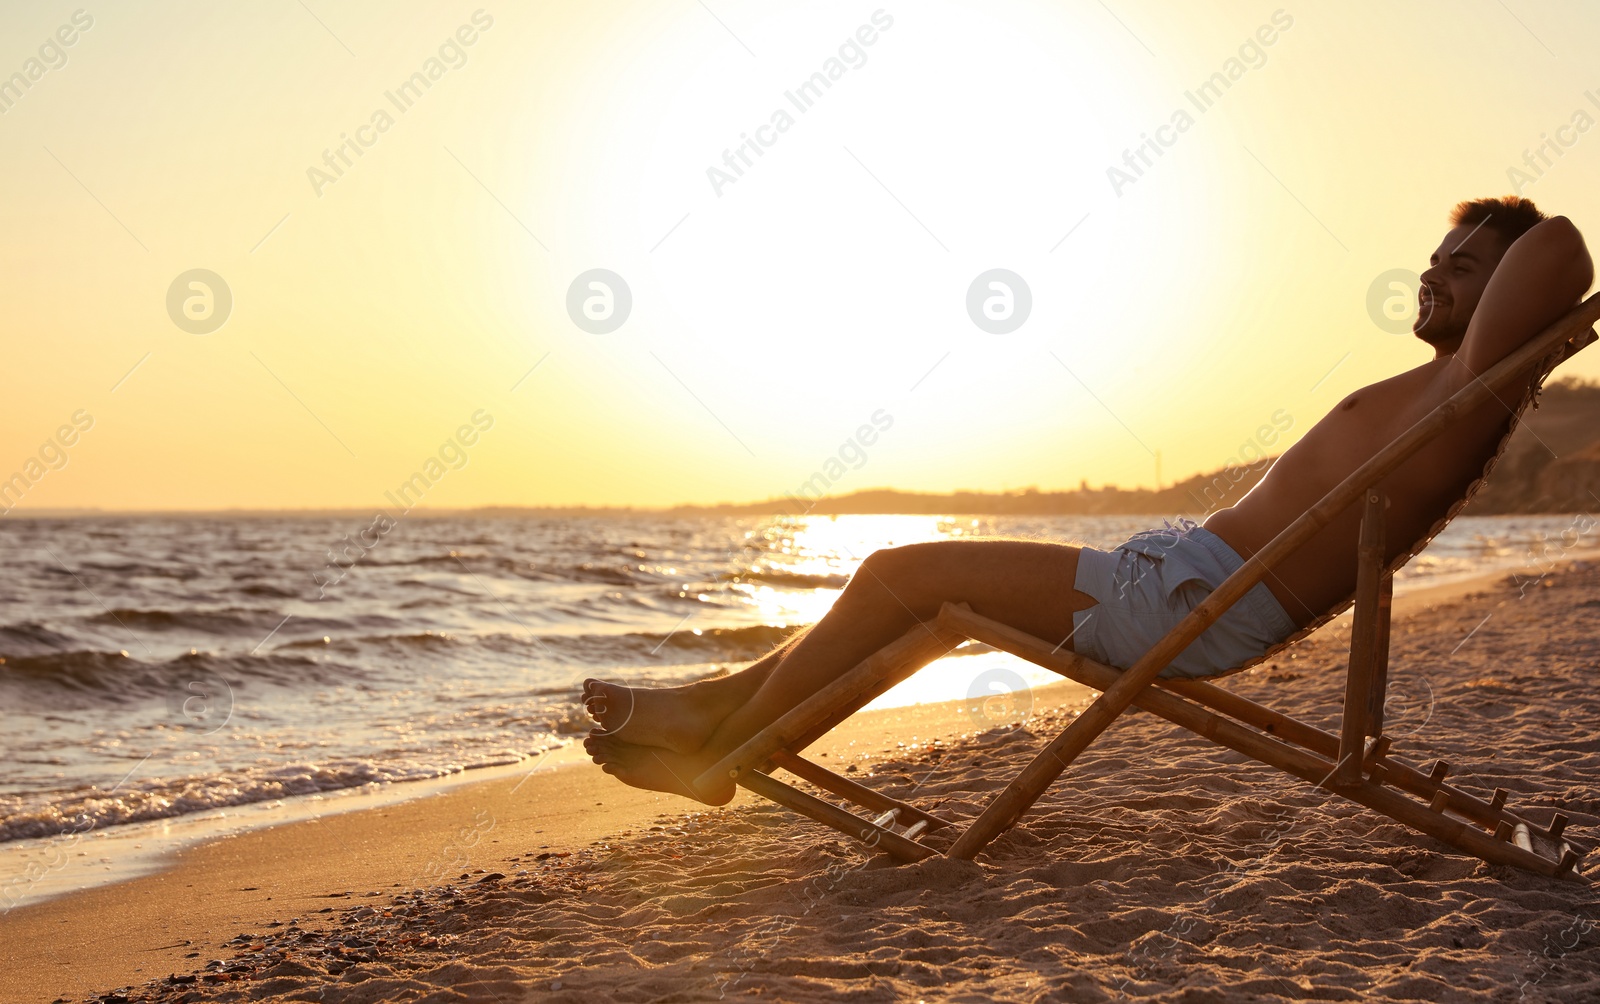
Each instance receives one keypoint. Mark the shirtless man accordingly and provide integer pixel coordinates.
(1502, 274)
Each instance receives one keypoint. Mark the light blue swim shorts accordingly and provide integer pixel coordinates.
(1147, 584)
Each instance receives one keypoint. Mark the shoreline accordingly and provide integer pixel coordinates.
(128, 932)
(172, 919)
(129, 850)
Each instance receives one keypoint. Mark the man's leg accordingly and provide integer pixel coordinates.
(1026, 584)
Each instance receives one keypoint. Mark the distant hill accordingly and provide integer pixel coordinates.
(1552, 463)
(1198, 494)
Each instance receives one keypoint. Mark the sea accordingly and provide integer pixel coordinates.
(153, 667)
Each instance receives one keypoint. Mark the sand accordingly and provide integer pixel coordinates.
(1159, 867)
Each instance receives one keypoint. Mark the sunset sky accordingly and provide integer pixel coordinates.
(378, 305)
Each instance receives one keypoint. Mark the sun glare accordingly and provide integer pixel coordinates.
(734, 194)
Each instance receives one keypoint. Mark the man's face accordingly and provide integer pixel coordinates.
(1454, 282)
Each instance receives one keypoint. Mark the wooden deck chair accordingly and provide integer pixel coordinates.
(1356, 763)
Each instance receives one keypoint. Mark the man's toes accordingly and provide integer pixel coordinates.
(607, 703)
(597, 696)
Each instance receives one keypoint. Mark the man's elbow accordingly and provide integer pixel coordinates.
(1555, 235)
(1560, 243)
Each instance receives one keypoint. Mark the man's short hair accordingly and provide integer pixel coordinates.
(1509, 216)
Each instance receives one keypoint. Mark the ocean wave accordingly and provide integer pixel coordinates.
(131, 627)
(607, 573)
(31, 638)
(461, 591)
(736, 644)
(620, 567)
(268, 591)
(451, 559)
(129, 570)
(227, 621)
(99, 676)
(610, 650)
(792, 580)
(416, 639)
(92, 808)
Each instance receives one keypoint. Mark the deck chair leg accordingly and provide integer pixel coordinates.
(1380, 663)
(860, 794)
(1358, 690)
(840, 819)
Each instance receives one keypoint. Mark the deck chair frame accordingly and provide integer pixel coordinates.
(1356, 763)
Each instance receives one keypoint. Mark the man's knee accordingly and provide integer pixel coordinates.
(904, 564)
(877, 568)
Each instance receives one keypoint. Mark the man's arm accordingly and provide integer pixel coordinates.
(1542, 275)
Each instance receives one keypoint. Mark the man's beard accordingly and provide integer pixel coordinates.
(1436, 336)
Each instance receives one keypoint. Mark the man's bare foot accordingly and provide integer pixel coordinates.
(679, 719)
(656, 769)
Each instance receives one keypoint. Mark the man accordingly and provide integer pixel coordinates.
(1502, 274)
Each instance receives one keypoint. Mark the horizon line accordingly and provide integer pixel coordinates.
(61, 512)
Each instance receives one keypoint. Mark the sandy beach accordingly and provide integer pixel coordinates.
(1160, 867)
